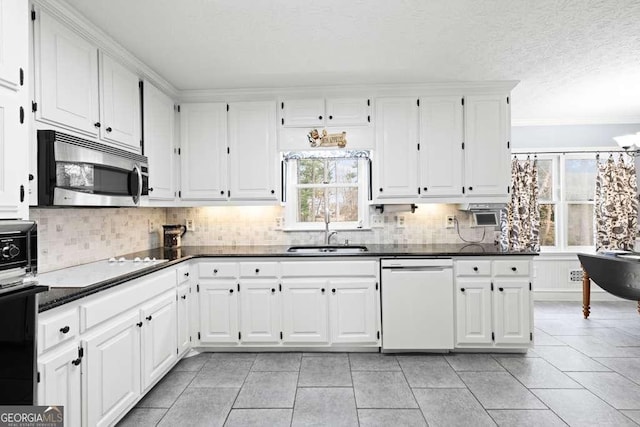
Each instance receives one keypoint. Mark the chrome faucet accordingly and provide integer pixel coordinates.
(327, 234)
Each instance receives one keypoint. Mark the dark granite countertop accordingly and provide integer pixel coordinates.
(59, 296)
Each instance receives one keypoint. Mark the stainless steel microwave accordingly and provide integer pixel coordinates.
(76, 172)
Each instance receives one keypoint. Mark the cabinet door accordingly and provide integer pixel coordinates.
(120, 102)
(13, 156)
(60, 383)
(13, 41)
(260, 311)
(158, 124)
(348, 111)
(473, 311)
(352, 310)
(253, 159)
(218, 311)
(304, 308)
(486, 145)
(396, 145)
(66, 71)
(302, 112)
(441, 146)
(184, 335)
(203, 141)
(112, 376)
(511, 311)
(159, 338)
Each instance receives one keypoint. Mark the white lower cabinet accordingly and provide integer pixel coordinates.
(218, 301)
(60, 381)
(493, 303)
(183, 324)
(260, 311)
(112, 377)
(353, 311)
(159, 337)
(305, 315)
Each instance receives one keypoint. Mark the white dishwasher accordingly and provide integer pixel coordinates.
(417, 304)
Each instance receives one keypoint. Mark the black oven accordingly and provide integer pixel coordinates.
(18, 311)
(77, 172)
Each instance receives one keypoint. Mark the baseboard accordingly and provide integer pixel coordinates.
(572, 295)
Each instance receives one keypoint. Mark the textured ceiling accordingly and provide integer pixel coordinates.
(577, 60)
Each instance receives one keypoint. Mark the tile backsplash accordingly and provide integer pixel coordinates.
(71, 236)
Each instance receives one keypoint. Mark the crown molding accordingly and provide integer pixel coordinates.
(71, 18)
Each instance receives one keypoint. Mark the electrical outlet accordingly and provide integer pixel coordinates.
(190, 225)
(152, 226)
(279, 223)
(450, 221)
(400, 221)
(377, 221)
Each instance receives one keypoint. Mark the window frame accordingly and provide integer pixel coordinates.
(291, 222)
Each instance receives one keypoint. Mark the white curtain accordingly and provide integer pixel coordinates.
(616, 205)
(520, 222)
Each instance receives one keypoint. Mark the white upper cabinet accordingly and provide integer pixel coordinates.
(13, 41)
(486, 145)
(203, 142)
(253, 161)
(158, 123)
(66, 77)
(396, 148)
(348, 111)
(120, 105)
(302, 112)
(441, 153)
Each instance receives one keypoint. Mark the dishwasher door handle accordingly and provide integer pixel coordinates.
(413, 269)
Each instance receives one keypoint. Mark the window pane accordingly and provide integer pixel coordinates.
(343, 204)
(347, 171)
(311, 171)
(580, 225)
(580, 179)
(310, 205)
(545, 179)
(547, 225)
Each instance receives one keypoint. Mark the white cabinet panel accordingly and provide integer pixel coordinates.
(184, 301)
(13, 42)
(60, 383)
(473, 311)
(158, 124)
(13, 156)
(253, 161)
(305, 315)
(120, 105)
(396, 148)
(218, 311)
(302, 112)
(441, 154)
(260, 311)
(159, 338)
(511, 311)
(486, 149)
(352, 310)
(348, 111)
(112, 374)
(66, 77)
(203, 140)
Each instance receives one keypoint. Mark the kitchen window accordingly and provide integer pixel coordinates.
(566, 186)
(326, 183)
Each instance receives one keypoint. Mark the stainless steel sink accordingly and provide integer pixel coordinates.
(328, 249)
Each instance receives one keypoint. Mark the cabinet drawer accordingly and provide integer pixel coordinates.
(473, 268)
(56, 327)
(259, 269)
(183, 274)
(102, 308)
(329, 268)
(218, 269)
(511, 268)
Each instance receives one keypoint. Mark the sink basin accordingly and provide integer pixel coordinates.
(327, 249)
